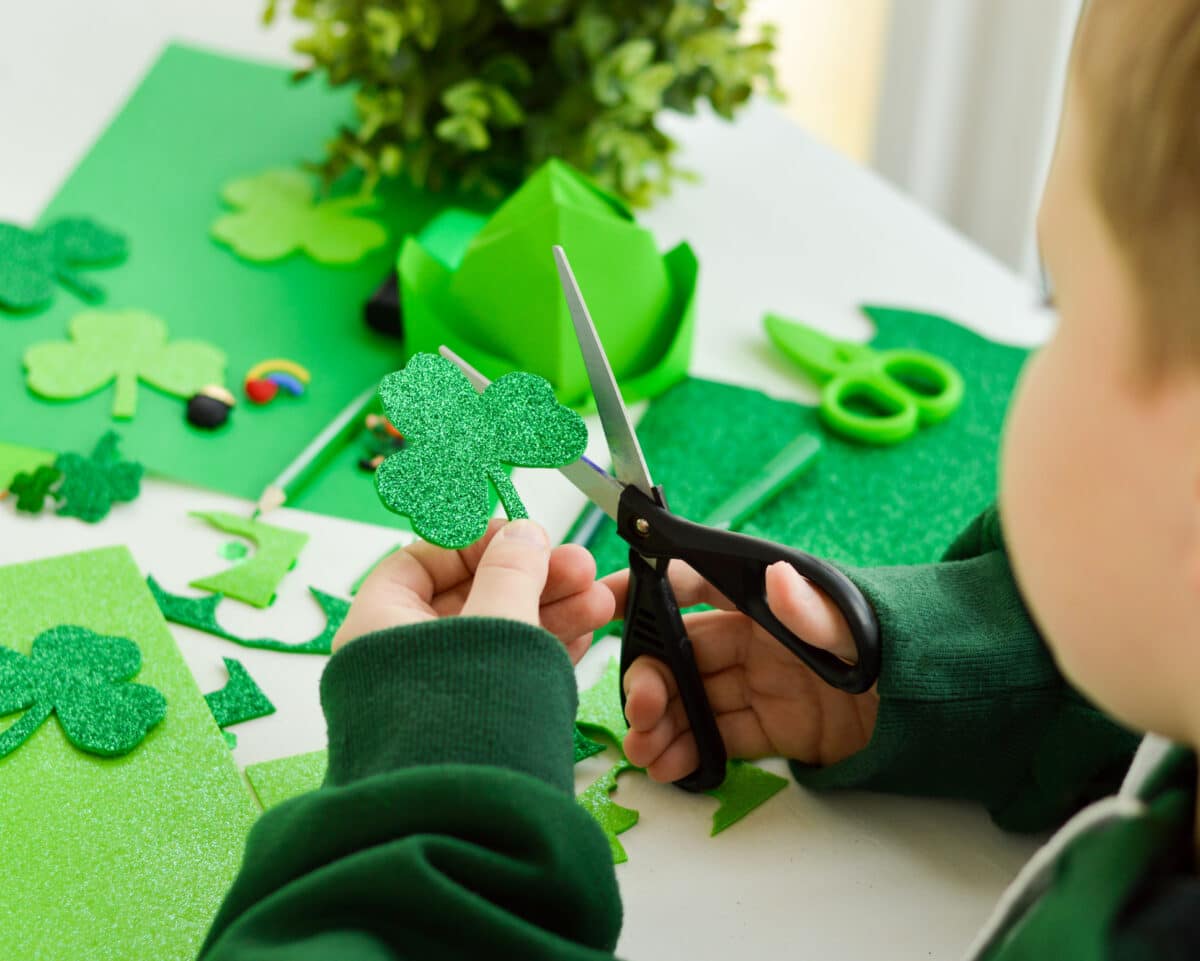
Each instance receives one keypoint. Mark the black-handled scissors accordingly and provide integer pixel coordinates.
(734, 564)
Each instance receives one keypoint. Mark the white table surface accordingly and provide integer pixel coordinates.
(779, 223)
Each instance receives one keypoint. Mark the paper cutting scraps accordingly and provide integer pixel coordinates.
(241, 699)
(278, 213)
(86, 679)
(745, 788)
(600, 705)
(92, 484)
(120, 347)
(256, 579)
(33, 262)
(457, 439)
(613, 819)
(585, 747)
(32, 488)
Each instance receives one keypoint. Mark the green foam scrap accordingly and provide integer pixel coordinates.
(92, 484)
(230, 738)
(600, 705)
(287, 777)
(17, 459)
(233, 550)
(200, 613)
(149, 842)
(745, 788)
(457, 441)
(32, 489)
(613, 819)
(256, 579)
(34, 262)
(240, 699)
(585, 747)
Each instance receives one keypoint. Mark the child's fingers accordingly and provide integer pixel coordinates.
(740, 730)
(578, 647)
(808, 612)
(511, 574)
(572, 569)
(649, 686)
(689, 587)
(588, 610)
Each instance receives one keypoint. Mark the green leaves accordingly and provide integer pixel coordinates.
(33, 262)
(278, 214)
(121, 346)
(91, 485)
(456, 441)
(84, 678)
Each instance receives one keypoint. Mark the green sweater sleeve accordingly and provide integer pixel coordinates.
(447, 826)
(971, 704)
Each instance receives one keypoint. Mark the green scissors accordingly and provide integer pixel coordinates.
(877, 397)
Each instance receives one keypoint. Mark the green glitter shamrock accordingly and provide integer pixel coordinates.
(91, 485)
(277, 215)
(32, 489)
(84, 677)
(32, 262)
(456, 441)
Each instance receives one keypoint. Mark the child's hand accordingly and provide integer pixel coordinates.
(766, 701)
(510, 572)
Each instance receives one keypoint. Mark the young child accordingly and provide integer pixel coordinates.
(447, 826)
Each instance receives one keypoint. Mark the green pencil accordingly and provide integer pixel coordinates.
(778, 473)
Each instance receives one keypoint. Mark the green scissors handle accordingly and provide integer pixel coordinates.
(877, 397)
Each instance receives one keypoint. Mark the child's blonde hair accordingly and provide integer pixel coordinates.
(1138, 65)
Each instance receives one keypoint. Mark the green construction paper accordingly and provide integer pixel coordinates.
(201, 613)
(114, 858)
(15, 460)
(85, 679)
(358, 583)
(241, 699)
(456, 440)
(613, 819)
(287, 777)
(278, 213)
(255, 580)
(860, 505)
(33, 262)
(32, 489)
(585, 747)
(233, 550)
(197, 121)
(92, 484)
(600, 705)
(745, 788)
(490, 290)
(121, 347)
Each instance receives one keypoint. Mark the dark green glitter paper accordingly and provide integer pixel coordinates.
(241, 699)
(33, 262)
(585, 747)
(456, 441)
(32, 489)
(84, 678)
(201, 614)
(92, 484)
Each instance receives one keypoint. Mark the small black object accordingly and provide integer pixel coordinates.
(382, 311)
(210, 407)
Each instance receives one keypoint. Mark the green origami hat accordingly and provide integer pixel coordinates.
(489, 290)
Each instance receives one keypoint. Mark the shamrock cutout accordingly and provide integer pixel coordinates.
(32, 262)
(91, 485)
(85, 678)
(32, 489)
(121, 347)
(278, 214)
(456, 440)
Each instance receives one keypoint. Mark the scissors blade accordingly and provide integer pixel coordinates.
(628, 462)
(596, 484)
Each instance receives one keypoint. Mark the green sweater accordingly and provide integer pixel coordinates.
(447, 826)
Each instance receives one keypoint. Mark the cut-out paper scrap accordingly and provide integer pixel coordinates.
(613, 819)
(457, 439)
(256, 579)
(120, 347)
(287, 777)
(201, 613)
(32, 489)
(92, 484)
(278, 213)
(585, 747)
(241, 699)
(233, 550)
(33, 262)
(16, 459)
(746, 787)
(600, 705)
(86, 680)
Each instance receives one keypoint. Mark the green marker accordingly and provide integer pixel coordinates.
(779, 472)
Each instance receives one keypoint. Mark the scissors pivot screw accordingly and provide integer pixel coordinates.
(642, 526)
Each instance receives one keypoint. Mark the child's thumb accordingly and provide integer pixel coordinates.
(808, 612)
(511, 574)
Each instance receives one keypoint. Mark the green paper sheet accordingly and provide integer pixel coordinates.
(15, 459)
(255, 579)
(745, 788)
(118, 858)
(600, 706)
(239, 700)
(287, 777)
(197, 121)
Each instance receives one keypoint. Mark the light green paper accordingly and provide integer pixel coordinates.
(114, 857)
(745, 788)
(278, 213)
(491, 292)
(239, 699)
(287, 777)
(15, 459)
(613, 819)
(120, 347)
(255, 579)
(600, 705)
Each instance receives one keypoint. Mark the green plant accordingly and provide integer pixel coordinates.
(477, 93)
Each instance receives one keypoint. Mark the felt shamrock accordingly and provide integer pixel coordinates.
(121, 346)
(32, 489)
(278, 214)
(84, 677)
(91, 485)
(456, 441)
(32, 262)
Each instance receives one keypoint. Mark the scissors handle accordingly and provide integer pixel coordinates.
(737, 565)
